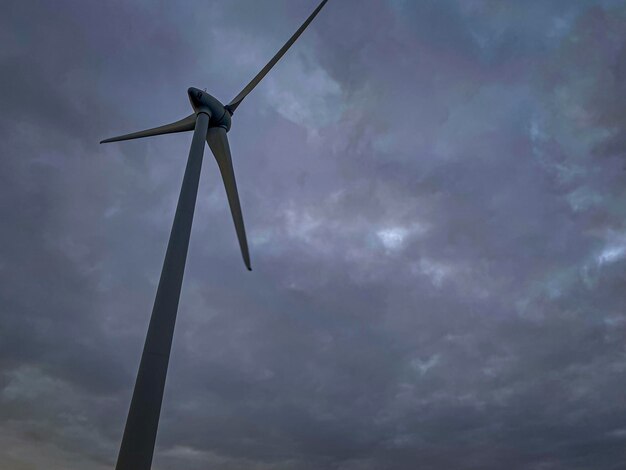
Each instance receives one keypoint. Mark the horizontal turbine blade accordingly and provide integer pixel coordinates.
(218, 142)
(185, 124)
(255, 81)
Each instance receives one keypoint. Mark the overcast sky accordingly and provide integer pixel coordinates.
(435, 198)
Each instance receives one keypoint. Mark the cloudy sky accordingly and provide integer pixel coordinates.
(435, 197)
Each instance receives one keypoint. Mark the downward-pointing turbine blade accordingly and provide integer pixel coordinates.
(185, 124)
(218, 142)
(255, 81)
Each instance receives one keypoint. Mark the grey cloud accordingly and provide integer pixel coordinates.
(438, 264)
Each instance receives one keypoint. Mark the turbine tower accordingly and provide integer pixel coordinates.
(210, 121)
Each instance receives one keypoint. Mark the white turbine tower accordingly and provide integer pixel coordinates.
(210, 121)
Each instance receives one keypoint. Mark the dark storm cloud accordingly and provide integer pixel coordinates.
(433, 193)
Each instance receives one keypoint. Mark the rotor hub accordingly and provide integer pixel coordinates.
(202, 102)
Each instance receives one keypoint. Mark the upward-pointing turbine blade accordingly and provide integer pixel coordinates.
(185, 124)
(255, 81)
(218, 142)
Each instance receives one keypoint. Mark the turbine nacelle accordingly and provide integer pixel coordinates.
(202, 102)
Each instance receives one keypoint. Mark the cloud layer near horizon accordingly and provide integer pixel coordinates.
(434, 197)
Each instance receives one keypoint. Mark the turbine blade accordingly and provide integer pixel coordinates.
(218, 142)
(255, 81)
(185, 124)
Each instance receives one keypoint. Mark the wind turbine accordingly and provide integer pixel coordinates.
(210, 121)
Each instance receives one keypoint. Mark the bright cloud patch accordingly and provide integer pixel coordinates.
(611, 254)
(392, 238)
